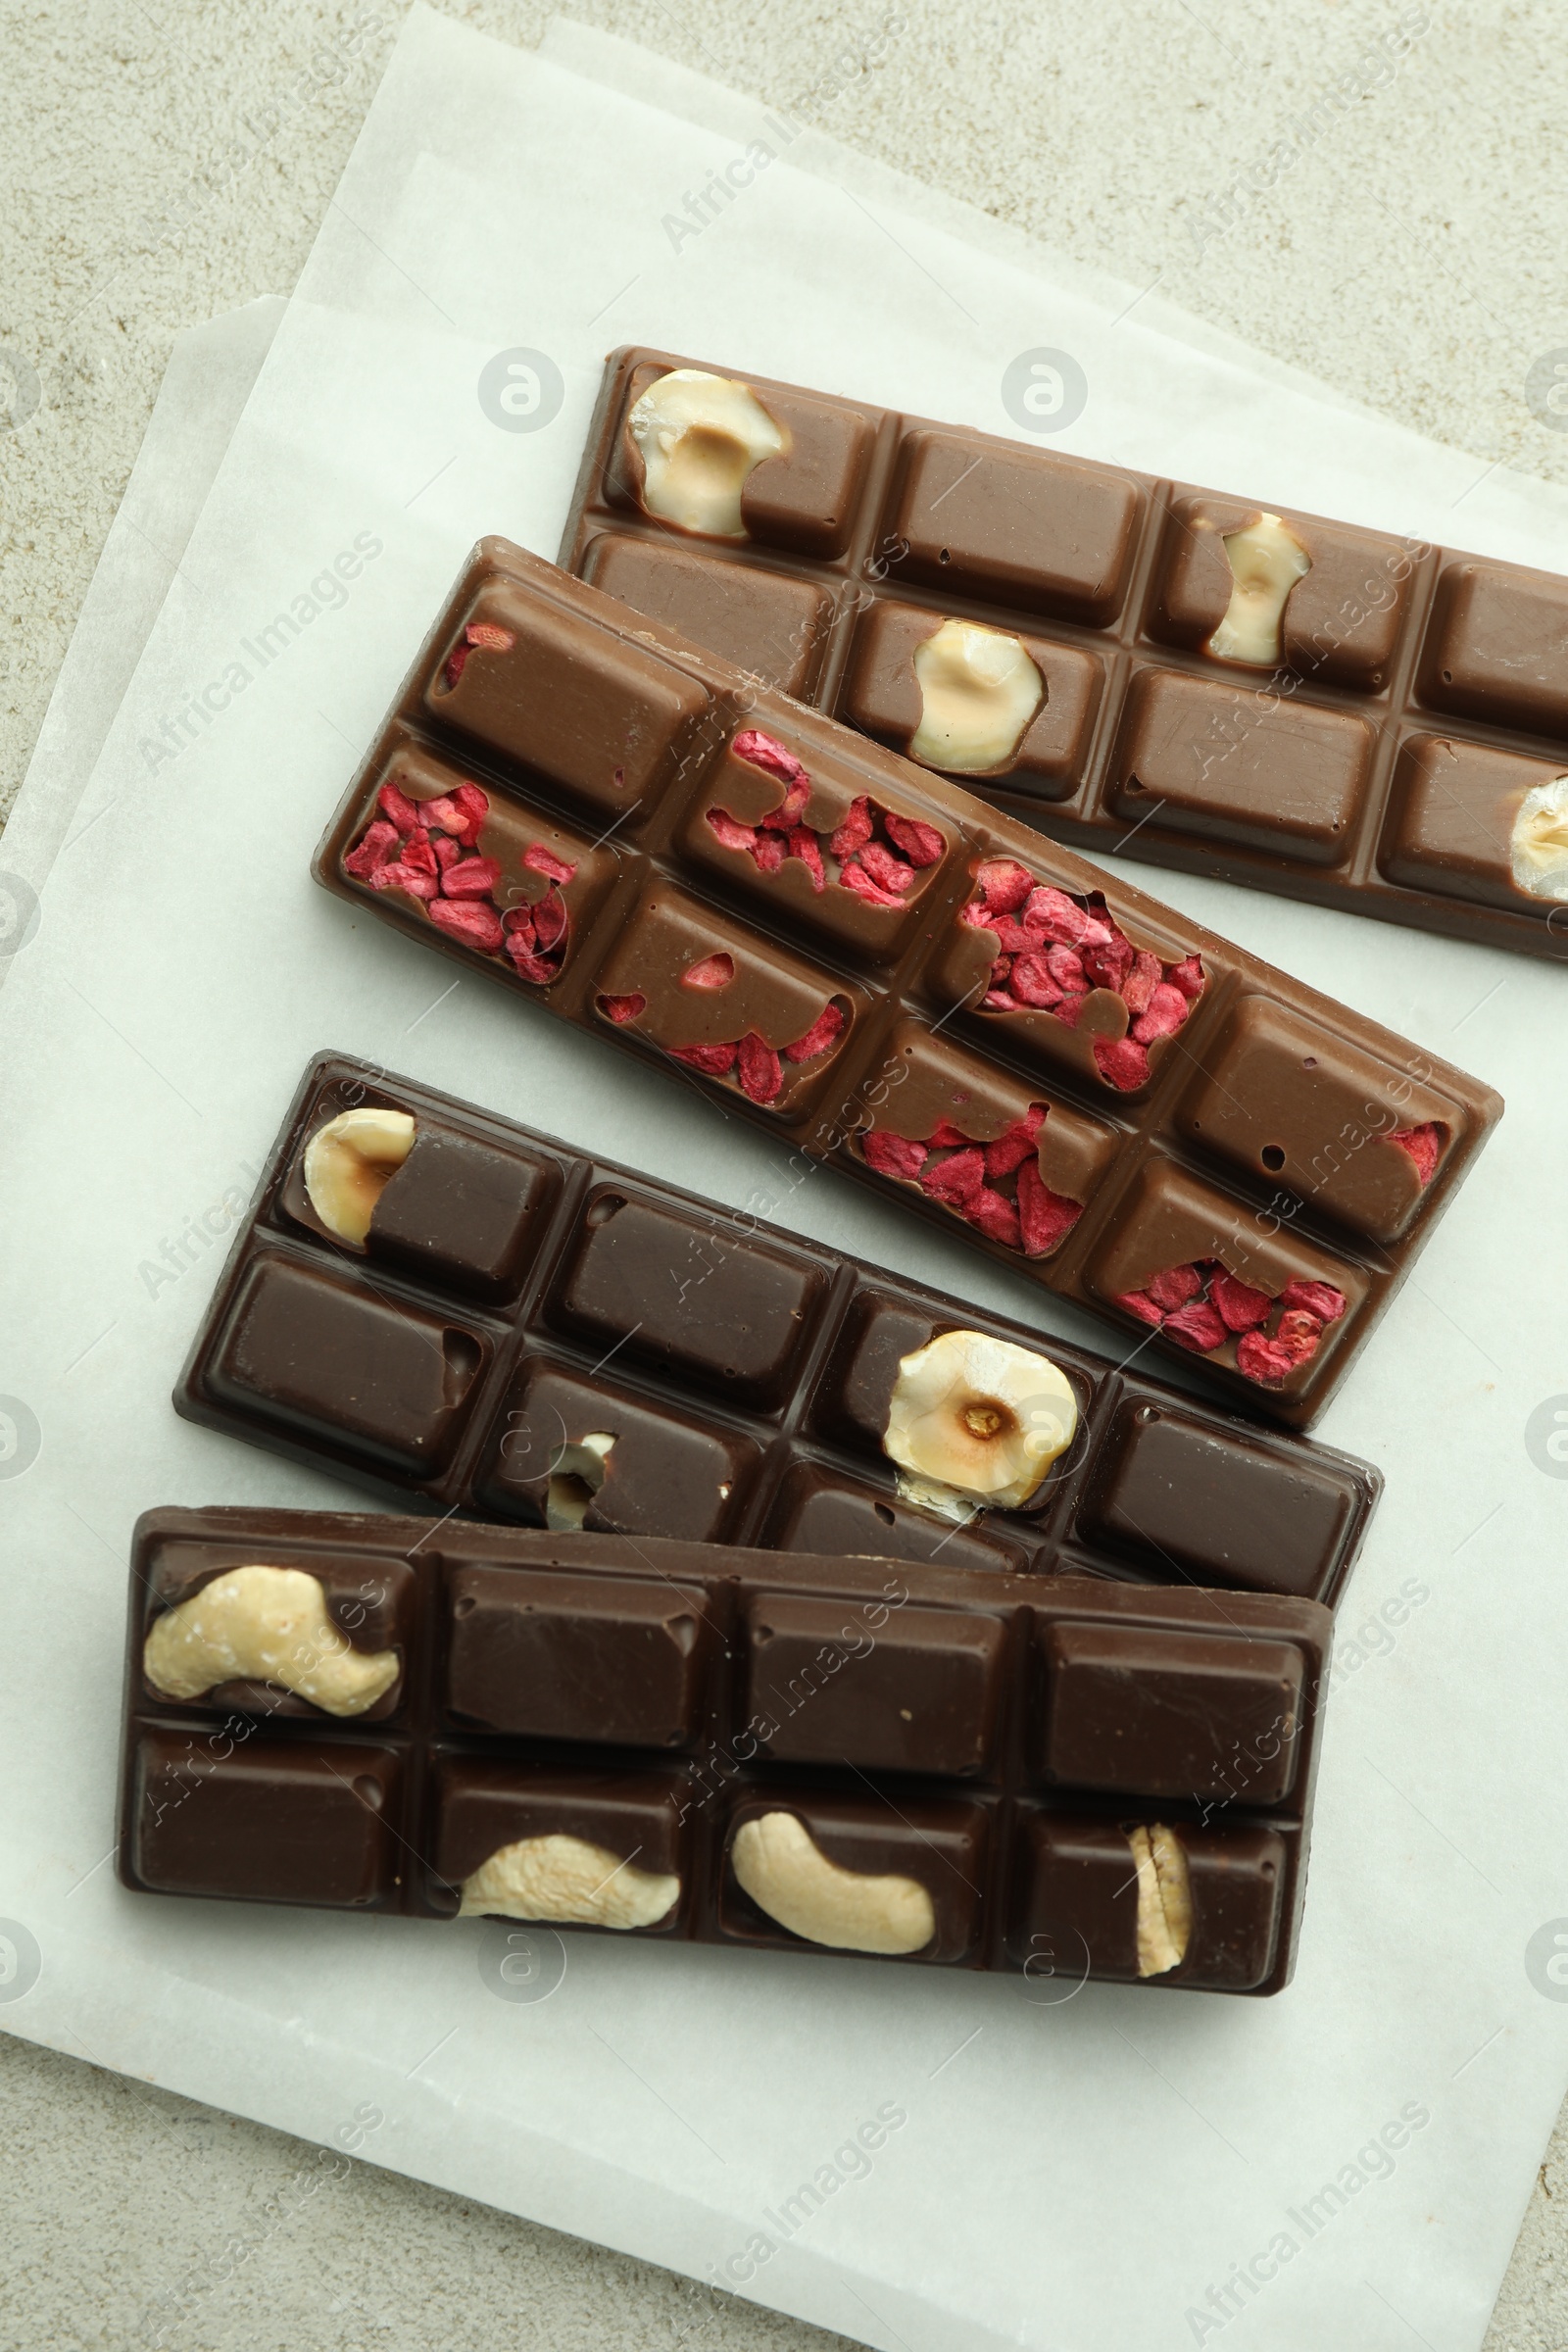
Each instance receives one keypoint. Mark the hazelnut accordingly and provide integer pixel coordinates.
(567, 1879)
(787, 1875)
(700, 437)
(265, 1625)
(1538, 842)
(1267, 560)
(974, 1420)
(576, 1474)
(348, 1164)
(979, 690)
(1164, 1900)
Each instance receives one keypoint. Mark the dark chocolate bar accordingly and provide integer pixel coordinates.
(520, 1330)
(716, 1746)
(1394, 740)
(833, 941)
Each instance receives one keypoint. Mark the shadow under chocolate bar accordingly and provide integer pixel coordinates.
(715, 1745)
(1363, 721)
(528, 1333)
(784, 915)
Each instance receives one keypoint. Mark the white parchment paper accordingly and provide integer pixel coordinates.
(1111, 2170)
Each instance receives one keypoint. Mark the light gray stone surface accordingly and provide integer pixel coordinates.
(161, 163)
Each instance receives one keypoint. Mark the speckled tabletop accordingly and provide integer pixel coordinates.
(1394, 231)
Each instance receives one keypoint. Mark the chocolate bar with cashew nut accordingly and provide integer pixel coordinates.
(809, 1754)
(892, 977)
(1302, 706)
(455, 1309)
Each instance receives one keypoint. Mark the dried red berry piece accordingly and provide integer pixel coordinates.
(489, 637)
(730, 831)
(418, 853)
(622, 1009)
(1003, 885)
(1262, 1360)
(550, 920)
(1045, 1217)
(1033, 983)
(823, 1033)
(1197, 1326)
(1318, 1298)
(805, 846)
(921, 844)
(477, 926)
(1067, 1012)
(893, 1155)
(471, 878)
(475, 806)
(771, 850)
(373, 849)
(1016, 1144)
(1164, 1014)
(1066, 967)
(856, 829)
(398, 808)
(890, 872)
(399, 876)
(767, 753)
(715, 1061)
(855, 877)
(1188, 976)
(1298, 1335)
(1107, 962)
(1140, 984)
(946, 1137)
(759, 1071)
(787, 815)
(1122, 1062)
(1174, 1287)
(1240, 1306)
(708, 971)
(447, 851)
(529, 967)
(542, 860)
(995, 1216)
(956, 1179)
(1138, 1304)
(1425, 1147)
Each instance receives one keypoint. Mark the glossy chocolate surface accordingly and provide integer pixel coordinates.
(744, 1375)
(1238, 1120)
(992, 1738)
(1400, 663)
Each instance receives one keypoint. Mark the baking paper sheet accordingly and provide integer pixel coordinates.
(1084, 2172)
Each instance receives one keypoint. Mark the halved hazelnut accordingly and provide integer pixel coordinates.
(1164, 1899)
(576, 1474)
(566, 1879)
(979, 690)
(785, 1871)
(1267, 560)
(265, 1625)
(700, 438)
(348, 1164)
(975, 1420)
(1538, 842)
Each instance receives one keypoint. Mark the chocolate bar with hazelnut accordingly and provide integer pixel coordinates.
(453, 1308)
(717, 1745)
(1330, 712)
(897, 979)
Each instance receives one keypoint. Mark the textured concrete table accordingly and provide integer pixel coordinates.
(1409, 251)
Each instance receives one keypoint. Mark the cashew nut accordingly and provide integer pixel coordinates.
(266, 1625)
(787, 1875)
(348, 1164)
(567, 1879)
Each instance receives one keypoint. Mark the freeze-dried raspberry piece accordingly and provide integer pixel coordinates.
(921, 844)
(374, 848)
(946, 1137)
(622, 1009)
(538, 968)
(1122, 1062)
(1298, 1335)
(1240, 1306)
(1055, 917)
(1067, 1012)
(1107, 966)
(541, 860)
(997, 999)
(1000, 969)
(445, 815)
(475, 806)
(398, 808)
(955, 1180)
(1003, 885)
(1425, 1147)
(447, 851)
(805, 846)
(758, 1068)
(1166, 1010)
(1174, 1287)
(822, 1034)
(854, 830)
(1033, 984)
(853, 876)
(708, 971)
(480, 636)
(1014, 938)
(1138, 1304)
(767, 753)
(1261, 1360)
(1188, 976)
(771, 850)
(884, 869)
(1318, 1298)
(1066, 968)
(1016, 1144)
(787, 815)
(1140, 984)
(550, 920)
(519, 924)
(471, 878)
(1196, 1326)
(731, 832)
(715, 1062)
(893, 1155)
(477, 926)
(401, 876)
(996, 1217)
(417, 853)
(1044, 1216)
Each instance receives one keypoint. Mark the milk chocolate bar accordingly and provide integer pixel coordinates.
(1277, 699)
(721, 1745)
(449, 1306)
(890, 977)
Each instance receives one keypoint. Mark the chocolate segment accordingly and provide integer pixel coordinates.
(954, 1766)
(665, 1367)
(1279, 764)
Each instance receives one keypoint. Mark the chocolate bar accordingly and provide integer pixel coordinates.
(449, 1307)
(894, 978)
(721, 1745)
(1334, 714)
